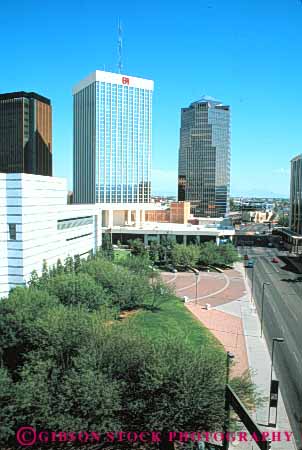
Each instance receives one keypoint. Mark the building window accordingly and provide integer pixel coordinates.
(74, 222)
(12, 231)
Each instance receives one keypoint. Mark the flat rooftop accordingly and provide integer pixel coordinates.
(175, 228)
(23, 94)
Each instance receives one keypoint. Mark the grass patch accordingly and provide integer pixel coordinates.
(172, 319)
(120, 255)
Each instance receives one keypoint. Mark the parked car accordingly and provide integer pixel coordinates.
(269, 244)
(246, 257)
(250, 264)
(171, 269)
(275, 260)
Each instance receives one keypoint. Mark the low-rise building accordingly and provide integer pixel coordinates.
(180, 233)
(36, 224)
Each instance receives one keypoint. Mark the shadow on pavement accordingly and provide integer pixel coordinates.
(290, 266)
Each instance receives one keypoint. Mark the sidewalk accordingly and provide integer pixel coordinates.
(260, 363)
(236, 325)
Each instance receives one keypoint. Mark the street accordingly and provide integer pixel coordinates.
(282, 317)
(254, 228)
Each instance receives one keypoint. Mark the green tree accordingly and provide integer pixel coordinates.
(69, 265)
(34, 279)
(166, 246)
(137, 247)
(52, 271)
(209, 254)
(45, 272)
(247, 391)
(60, 385)
(76, 289)
(7, 422)
(18, 315)
(107, 247)
(128, 290)
(77, 263)
(182, 255)
(154, 251)
(168, 385)
(60, 267)
(228, 253)
(138, 264)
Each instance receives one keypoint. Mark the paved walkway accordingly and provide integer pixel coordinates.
(233, 320)
(228, 329)
(260, 363)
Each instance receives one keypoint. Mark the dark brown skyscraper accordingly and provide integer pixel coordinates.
(25, 133)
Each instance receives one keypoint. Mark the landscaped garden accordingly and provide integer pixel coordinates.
(104, 345)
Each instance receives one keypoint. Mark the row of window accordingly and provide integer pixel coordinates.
(61, 225)
(74, 222)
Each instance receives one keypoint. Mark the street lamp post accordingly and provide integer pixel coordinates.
(262, 299)
(153, 270)
(229, 357)
(196, 285)
(252, 290)
(276, 339)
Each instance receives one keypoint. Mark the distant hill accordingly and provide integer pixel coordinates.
(258, 193)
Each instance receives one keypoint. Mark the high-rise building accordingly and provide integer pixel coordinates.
(296, 195)
(112, 139)
(25, 133)
(204, 157)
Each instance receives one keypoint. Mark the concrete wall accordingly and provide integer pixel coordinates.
(46, 227)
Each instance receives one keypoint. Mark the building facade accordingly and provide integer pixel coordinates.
(36, 224)
(175, 212)
(112, 139)
(25, 134)
(296, 195)
(291, 237)
(204, 157)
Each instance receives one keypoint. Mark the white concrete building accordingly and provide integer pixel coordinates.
(36, 224)
(181, 233)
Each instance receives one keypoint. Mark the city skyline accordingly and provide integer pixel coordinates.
(242, 62)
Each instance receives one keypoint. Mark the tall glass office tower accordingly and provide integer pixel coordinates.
(25, 133)
(296, 195)
(204, 157)
(112, 139)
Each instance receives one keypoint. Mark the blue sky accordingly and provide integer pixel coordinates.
(246, 53)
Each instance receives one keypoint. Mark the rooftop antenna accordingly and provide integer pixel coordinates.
(119, 46)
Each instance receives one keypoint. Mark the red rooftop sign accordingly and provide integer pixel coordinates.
(125, 80)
